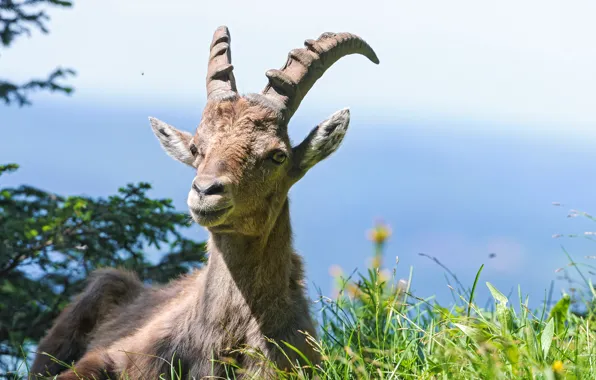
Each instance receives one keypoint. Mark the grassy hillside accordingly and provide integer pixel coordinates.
(374, 328)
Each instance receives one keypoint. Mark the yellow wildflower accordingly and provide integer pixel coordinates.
(380, 233)
(376, 262)
(353, 290)
(558, 366)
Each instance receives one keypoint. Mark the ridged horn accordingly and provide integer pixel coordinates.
(289, 85)
(221, 83)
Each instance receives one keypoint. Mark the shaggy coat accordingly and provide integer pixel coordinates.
(249, 301)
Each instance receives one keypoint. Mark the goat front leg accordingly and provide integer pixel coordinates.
(68, 338)
(95, 365)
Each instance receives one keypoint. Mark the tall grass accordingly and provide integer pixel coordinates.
(374, 328)
(383, 332)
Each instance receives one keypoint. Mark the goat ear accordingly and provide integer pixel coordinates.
(176, 143)
(323, 140)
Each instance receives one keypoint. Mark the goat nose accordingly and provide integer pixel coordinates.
(208, 187)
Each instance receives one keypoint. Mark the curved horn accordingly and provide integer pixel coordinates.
(221, 83)
(289, 85)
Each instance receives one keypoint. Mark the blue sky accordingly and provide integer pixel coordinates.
(478, 117)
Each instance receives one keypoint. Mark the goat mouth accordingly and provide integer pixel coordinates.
(209, 217)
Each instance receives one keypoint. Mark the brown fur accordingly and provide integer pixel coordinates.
(251, 289)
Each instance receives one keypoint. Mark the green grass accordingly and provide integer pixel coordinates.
(382, 332)
(376, 329)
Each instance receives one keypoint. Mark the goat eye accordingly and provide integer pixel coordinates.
(278, 157)
(193, 149)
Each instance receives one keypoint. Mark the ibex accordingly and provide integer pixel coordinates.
(251, 290)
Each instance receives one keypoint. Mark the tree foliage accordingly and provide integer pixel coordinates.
(17, 19)
(50, 243)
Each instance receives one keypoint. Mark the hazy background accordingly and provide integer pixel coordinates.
(477, 119)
